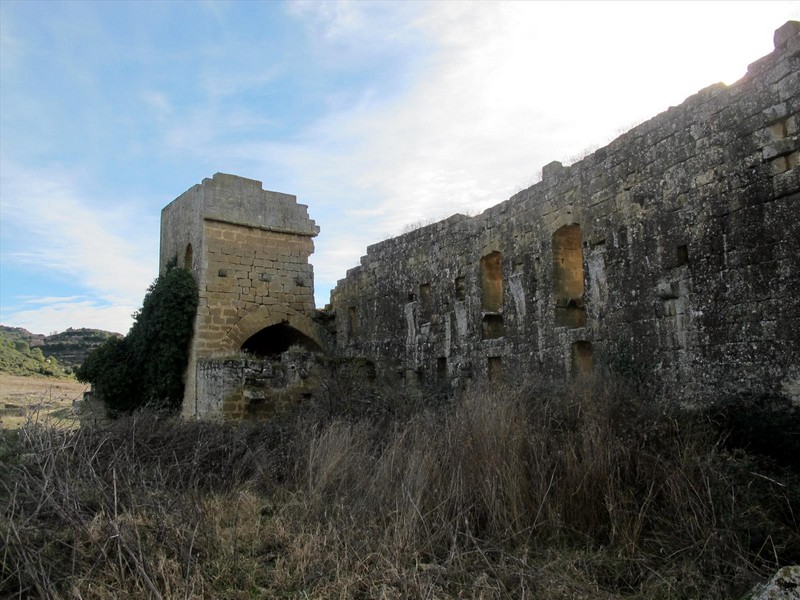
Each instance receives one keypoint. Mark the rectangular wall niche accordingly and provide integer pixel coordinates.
(682, 255)
(568, 276)
(581, 358)
(492, 327)
(491, 283)
(461, 288)
(352, 313)
(441, 368)
(425, 297)
(495, 366)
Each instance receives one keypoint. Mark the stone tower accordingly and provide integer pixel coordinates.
(248, 250)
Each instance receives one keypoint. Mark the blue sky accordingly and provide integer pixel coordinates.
(375, 115)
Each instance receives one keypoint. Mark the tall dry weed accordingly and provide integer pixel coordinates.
(587, 490)
(589, 466)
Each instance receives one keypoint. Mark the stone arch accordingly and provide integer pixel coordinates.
(265, 316)
(276, 339)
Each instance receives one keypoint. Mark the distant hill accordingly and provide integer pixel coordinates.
(18, 334)
(25, 353)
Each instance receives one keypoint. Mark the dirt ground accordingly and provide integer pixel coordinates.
(23, 398)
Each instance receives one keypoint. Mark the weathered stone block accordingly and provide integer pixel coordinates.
(779, 148)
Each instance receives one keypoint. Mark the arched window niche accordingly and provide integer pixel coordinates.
(187, 257)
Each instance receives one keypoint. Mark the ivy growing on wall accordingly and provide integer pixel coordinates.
(147, 365)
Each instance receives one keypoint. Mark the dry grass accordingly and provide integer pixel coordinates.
(26, 398)
(580, 493)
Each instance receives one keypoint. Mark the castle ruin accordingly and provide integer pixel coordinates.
(672, 253)
(248, 250)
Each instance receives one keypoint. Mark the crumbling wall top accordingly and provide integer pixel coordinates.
(787, 34)
(241, 201)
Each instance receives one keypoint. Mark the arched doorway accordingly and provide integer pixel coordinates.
(277, 339)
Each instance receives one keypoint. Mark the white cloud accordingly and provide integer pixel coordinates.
(199, 130)
(331, 20)
(231, 83)
(158, 103)
(46, 315)
(106, 248)
(48, 300)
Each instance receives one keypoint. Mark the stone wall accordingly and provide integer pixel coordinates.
(671, 252)
(246, 388)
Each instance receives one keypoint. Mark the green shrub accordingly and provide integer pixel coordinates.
(18, 358)
(147, 366)
(111, 371)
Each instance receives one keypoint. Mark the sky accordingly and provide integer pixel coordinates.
(374, 114)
